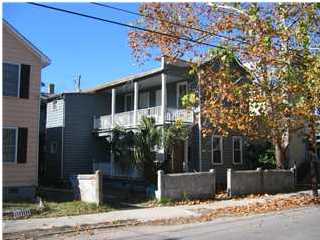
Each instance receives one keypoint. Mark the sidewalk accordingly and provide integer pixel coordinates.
(141, 215)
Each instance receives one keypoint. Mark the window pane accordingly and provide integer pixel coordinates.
(217, 156)
(182, 90)
(237, 156)
(10, 73)
(9, 145)
(215, 143)
(236, 143)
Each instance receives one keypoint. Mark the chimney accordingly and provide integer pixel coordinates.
(51, 88)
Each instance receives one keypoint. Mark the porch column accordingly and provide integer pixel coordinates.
(113, 111)
(113, 106)
(163, 97)
(135, 103)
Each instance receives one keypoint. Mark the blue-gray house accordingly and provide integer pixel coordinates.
(77, 125)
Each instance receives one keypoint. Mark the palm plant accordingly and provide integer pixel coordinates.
(147, 138)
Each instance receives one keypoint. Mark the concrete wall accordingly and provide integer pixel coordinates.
(259, 181)
(88, 188)
(186, 185)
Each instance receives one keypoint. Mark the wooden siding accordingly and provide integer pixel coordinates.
(80, 146)
(20, 112)
(55, 116)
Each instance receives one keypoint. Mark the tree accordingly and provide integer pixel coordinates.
(266, 37)
(147, 139)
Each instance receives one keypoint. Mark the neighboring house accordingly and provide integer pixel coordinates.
(70, 146)
(298, 154)
(78, 124)
(21, 72)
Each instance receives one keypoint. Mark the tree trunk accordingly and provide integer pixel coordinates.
(281, 156)
(313, 159)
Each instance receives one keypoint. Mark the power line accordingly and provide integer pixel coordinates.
(124, 25)
(167, 21)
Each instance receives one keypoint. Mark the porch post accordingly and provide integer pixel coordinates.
(113, 110)
(163, 97)
(113, 106)
(135, 103)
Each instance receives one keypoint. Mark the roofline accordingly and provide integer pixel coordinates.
(133, 77)
(45, 60)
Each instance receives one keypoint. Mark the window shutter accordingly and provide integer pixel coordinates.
(22, 145)
(24, 80)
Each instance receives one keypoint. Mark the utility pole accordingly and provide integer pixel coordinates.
(77, 83)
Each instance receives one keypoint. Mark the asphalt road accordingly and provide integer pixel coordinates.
(295, 224)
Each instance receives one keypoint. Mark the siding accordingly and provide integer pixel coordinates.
(81, 147)
(55, 116)
(221, 170)
(22, 113)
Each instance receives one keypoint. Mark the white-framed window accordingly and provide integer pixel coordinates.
(128, 102)
(54, 105)
(237, 149)
(144, 100)
(10, 144)
(217, 150)
(53, 147)
(158, 97)
(11, 79)
(182, 89)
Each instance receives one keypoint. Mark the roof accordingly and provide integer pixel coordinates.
(123, 80)
(44, 59)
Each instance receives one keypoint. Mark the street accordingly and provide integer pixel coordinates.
(295, 224)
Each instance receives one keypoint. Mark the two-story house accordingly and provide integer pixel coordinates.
(21, 79)
(78, 123)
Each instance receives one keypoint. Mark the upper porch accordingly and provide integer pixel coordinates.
(156, 93)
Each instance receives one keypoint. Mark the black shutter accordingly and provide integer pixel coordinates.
(24, 80)
(22, 145)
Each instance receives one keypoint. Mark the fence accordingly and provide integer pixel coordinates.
(186, 185)
(259, 181)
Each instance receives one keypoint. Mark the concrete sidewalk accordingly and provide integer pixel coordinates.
(141, 215)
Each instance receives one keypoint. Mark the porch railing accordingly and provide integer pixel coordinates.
(126, 119)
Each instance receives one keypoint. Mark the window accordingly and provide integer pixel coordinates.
(144, 100)
(54, 105)
(237, 149)
(217, 142)
(11, 76)
(128, 102)
(181, 91)
(16, 80)
(158, 97)
(10, 142)
(53, 147)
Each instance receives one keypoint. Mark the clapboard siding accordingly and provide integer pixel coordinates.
(18, 112)
(55, 115)
(221, 170)
(80, 146)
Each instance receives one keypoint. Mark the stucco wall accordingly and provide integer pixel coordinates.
(259, 181)
(186, 185)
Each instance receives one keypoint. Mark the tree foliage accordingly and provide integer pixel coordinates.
(275, 42)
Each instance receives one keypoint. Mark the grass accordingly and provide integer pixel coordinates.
(53, 209)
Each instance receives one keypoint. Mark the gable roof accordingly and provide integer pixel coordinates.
(44, 59)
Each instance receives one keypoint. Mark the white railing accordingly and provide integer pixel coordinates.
(102, 122)
(184, 115)
(154, 112)
(126, 119)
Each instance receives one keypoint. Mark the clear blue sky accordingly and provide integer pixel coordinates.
(98, 51)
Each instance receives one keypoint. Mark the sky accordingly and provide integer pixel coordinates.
(97, 51)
